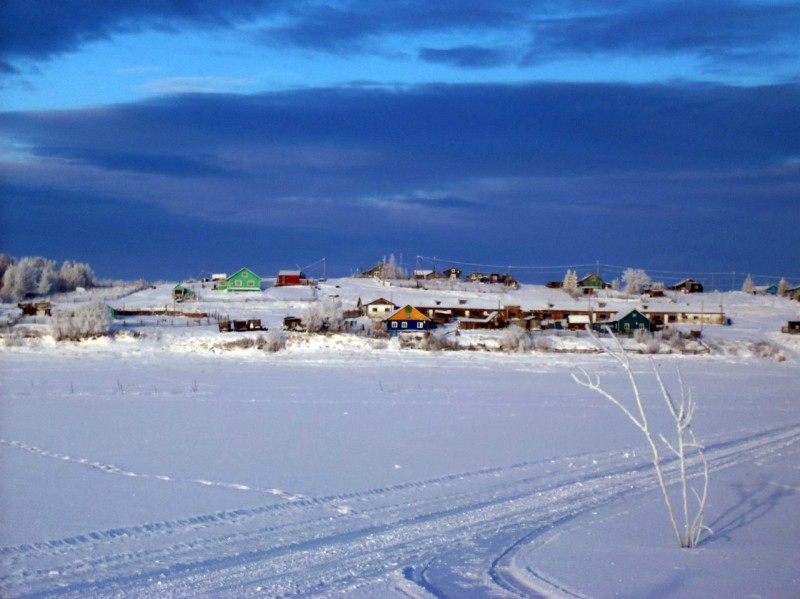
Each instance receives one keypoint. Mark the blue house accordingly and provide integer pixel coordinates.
(407, 320)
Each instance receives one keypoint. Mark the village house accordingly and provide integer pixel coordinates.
(687, 286)
(453, 274)
(243, 279)
(379, 308)
(181, 293)
(291, 277)
(407, 319)
(625, 322)
(591, 282)
(426, 275)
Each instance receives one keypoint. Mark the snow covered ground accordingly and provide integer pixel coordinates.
(156, 464)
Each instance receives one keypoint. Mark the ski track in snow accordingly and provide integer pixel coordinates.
(111, 469)
(453, 536)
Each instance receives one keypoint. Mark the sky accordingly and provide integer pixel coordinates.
(162, 140)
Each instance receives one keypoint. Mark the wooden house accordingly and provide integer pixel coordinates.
(379, 308)
(291, 277)
(426, 275)
(594, 281)
(453, 274)
(493, 320)
(243, 279)
(407, 319)
(626, 322)
(687, 286)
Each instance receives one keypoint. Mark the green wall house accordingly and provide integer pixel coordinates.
(625, 323)
(181, 293)
(243, 279)
(593, 280)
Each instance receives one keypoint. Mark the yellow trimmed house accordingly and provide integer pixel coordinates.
(407, 320)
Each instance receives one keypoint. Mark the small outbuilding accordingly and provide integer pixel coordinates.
(291, 277)
(180, 293)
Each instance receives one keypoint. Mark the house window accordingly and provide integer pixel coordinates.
(244, 274)
(394, 324)
(238, 283)
(627, 326)
(251, 283)
(420, 325)
(404, 325)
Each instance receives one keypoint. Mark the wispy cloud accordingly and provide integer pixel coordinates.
(191, 85)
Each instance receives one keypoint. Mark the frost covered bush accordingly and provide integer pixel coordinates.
(321, 316)
(273, 341)
(650, 343)
(437, 341)
(89, 321)
(515, 339)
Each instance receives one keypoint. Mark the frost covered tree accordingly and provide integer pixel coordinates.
(636, 280)
(325, 315)
(747, 286)
(88, 321)
(5, 262)
(29, 277)
(783, 287)
(570, 281)
(75, 274)
(685, 514)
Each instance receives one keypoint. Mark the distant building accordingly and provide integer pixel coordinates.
(243, 279)
(181, 293)
(291, 277)
(626, 322)
(687, 286)
(407, 319)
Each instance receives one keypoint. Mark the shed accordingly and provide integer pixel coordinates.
(407, 319)
(181, 293)
(291, 277)
(578, 322)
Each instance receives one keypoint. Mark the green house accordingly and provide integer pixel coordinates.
(626, 322)
(243, 279)
(593, 280)
(181, 293)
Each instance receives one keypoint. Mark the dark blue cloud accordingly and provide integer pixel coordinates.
(465, 56)
(719, 30)
(546, 172)
(145, 161)
(41, 28)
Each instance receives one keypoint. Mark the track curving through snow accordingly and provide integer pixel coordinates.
(452, 536)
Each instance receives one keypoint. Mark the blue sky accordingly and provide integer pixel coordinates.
(163, 139)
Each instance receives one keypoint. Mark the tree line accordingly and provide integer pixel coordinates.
(37, 276)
